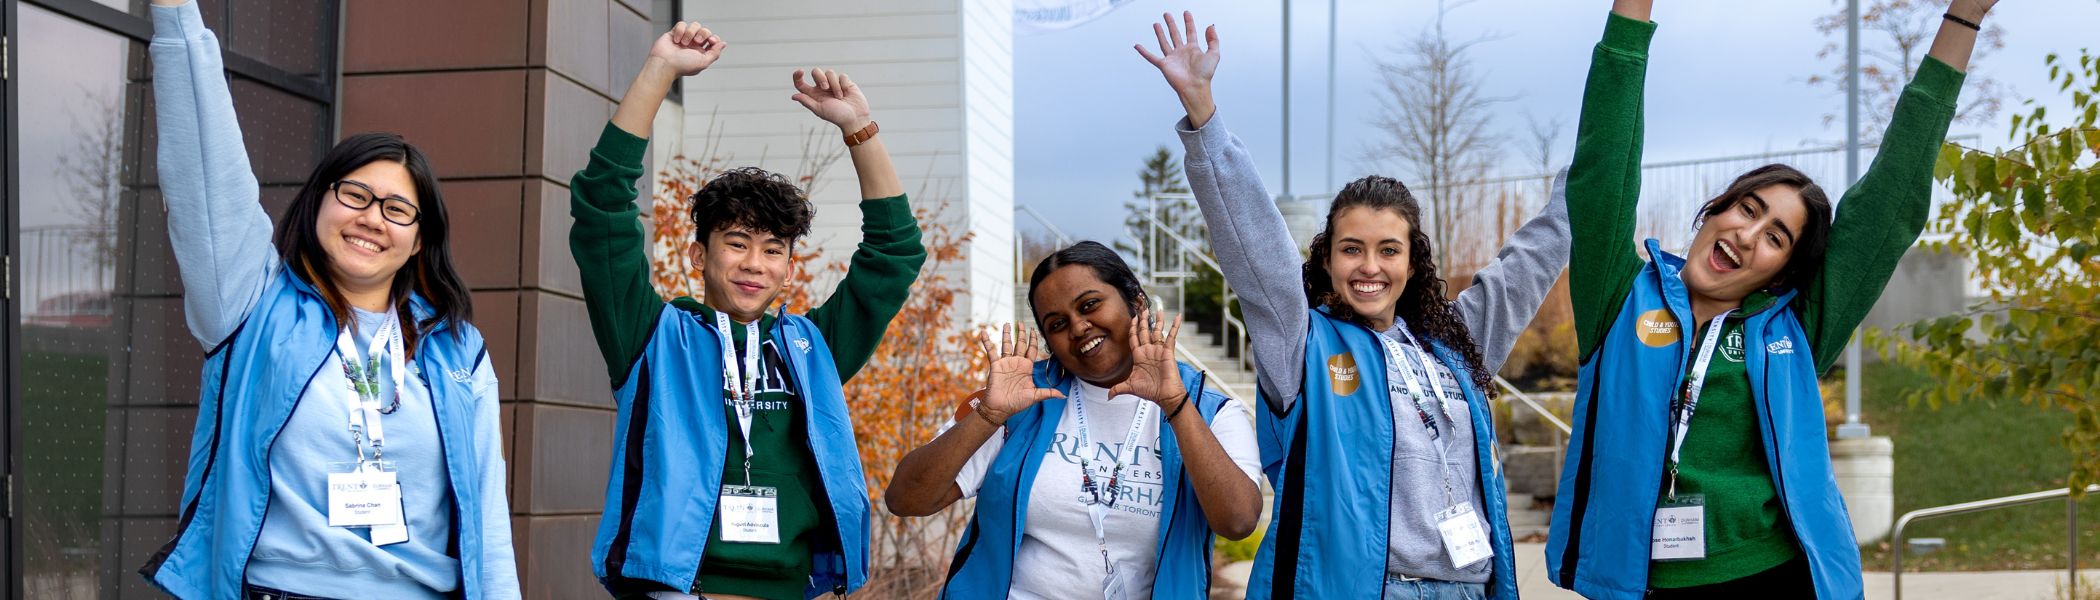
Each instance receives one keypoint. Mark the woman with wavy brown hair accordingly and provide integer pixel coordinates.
(1378, 435)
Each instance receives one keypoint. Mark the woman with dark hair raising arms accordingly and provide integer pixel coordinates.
(1107, 468)
(347, 440)
(1377, 433)
(1739, 501)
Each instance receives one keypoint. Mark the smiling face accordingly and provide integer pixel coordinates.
(744, 270)
(1368, 263)
(364, 249)
(1087, 324)
(1742, 248)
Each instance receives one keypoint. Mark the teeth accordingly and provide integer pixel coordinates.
(1091, 345)
(1368, 288)
(1729, 251)
(363, 244)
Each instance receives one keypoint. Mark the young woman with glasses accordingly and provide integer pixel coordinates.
(347, 438)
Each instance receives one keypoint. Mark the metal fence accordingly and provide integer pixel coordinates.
(68, 274)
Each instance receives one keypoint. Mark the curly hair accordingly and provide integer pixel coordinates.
(751, 198)
(1422, 305)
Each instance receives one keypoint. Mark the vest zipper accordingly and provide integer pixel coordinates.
(269, 479)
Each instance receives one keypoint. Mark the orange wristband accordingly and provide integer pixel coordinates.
(858, 137)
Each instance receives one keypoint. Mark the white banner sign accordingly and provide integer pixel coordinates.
(1041, 16)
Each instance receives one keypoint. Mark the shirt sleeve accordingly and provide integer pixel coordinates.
(1234, 428)
(971, 476)
(217, 228)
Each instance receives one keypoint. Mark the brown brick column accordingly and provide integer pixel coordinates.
(507, 98)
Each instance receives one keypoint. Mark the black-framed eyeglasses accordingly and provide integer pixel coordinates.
(358, 196)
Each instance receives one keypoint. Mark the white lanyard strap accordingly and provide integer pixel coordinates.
(1400, 363)
(1682, 409)
(1097, 511)
(1086, 447)
(742, 382)
(364, 405)
(1398, 359)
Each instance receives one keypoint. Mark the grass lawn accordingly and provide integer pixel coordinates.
(1977, 449)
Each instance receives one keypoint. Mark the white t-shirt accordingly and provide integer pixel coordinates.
(1059, 557)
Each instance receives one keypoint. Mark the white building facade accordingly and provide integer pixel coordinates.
(939, 77)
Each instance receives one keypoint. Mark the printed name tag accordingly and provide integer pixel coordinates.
(364, 499)
(750, 514)
(1680, 529)
(1463, 538)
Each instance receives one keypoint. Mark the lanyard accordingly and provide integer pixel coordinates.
(742, 382)
(1681, 420)
(363, 381)
(1097, 510)
(1400, 364)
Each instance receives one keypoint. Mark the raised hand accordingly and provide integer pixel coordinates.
(1187, 65)
(1009, 383)
(833, 97)
(687, 48)
(1154, 375)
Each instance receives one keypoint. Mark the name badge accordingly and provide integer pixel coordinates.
(1680, 529)
(364, 498)
(1113, 587)
(750, 514)
(1463, 538)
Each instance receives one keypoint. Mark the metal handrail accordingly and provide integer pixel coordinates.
(1227, 388)
(1535, 407)
(1896, 536)
(1235, 332)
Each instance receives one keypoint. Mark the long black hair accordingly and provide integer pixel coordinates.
(1807, 258)
(1106, 264)
(1422, 304)
(428, 273)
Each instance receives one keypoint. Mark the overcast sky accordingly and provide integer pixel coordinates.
(1724, 79)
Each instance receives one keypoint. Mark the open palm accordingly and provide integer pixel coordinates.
(833, 97)
(1010, 381)
(1188, 66)
(1154, 375)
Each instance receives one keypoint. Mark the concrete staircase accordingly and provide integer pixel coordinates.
(1234, 375)
(1527, 518)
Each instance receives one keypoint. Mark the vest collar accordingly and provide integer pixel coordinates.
(1670, 269)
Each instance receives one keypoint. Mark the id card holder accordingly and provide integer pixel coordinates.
(1463, 538)
(367, 495)
(1113, 587)
(750, 514)
(1680, 530)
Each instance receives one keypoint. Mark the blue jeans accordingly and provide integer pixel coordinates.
(1432, 589)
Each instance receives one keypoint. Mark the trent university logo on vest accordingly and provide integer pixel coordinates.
(1341, 374)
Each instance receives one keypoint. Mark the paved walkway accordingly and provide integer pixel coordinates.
(1966, 585)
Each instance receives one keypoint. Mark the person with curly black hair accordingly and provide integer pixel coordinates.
(1378, 436)
(735, 473)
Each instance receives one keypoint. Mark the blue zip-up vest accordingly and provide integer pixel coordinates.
(666, 472)
(1328, 539)
(1613, 477)
(252, 381)
(984, 560)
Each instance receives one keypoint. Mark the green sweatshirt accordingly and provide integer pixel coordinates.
(610, 248)
(1877, 221)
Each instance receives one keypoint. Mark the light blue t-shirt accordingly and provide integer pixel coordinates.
(298, 552)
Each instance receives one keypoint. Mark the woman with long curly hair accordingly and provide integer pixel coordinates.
(1378, 435)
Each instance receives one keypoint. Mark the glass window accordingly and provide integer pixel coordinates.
(109, 371)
